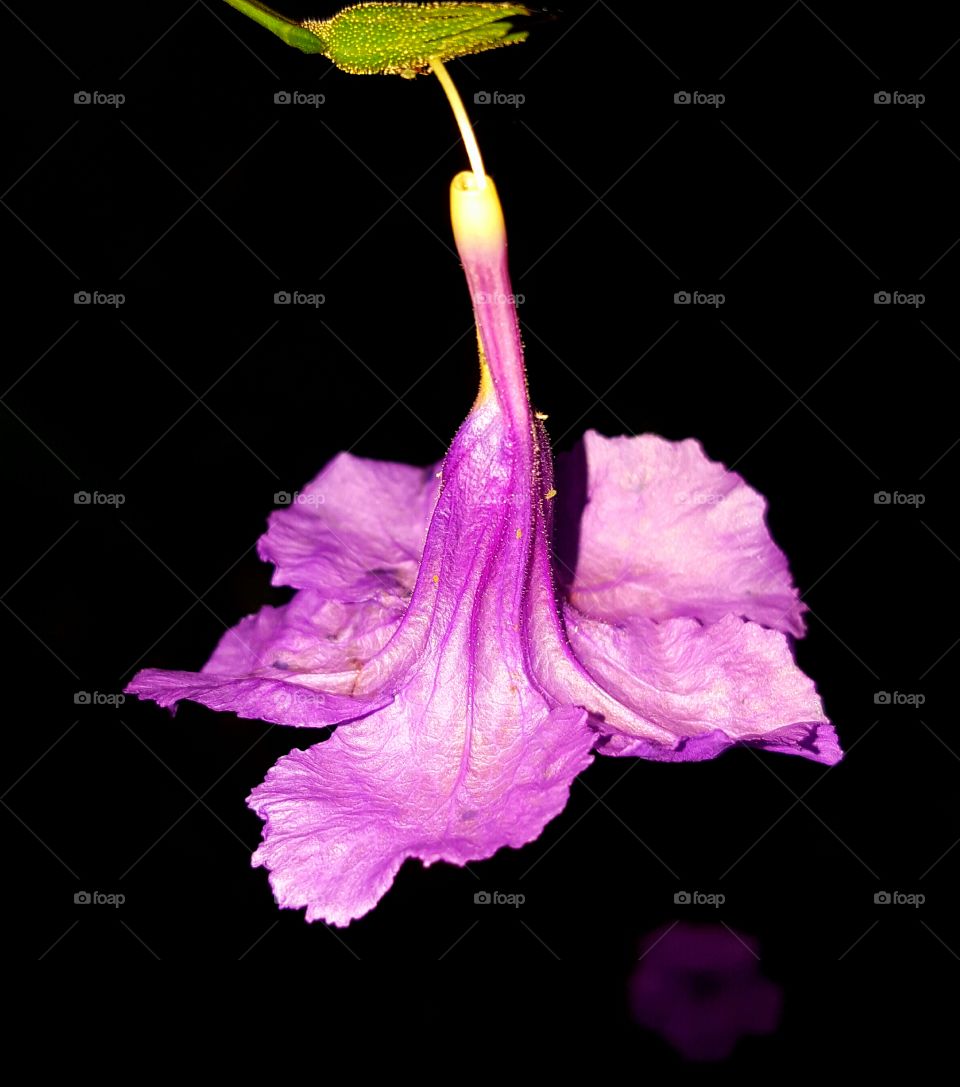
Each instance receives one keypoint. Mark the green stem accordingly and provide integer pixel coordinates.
(289, 31)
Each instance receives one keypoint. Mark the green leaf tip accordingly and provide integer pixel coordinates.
(395, 38)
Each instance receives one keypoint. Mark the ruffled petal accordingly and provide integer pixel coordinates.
(732, 682)
(652, 527)
(294, 665)
(357, 530)
(309, 637)
(273, 700)
(342, 816)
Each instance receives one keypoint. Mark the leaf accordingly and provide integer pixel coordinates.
(395, 38)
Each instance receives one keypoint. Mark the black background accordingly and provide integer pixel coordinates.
(199, 398)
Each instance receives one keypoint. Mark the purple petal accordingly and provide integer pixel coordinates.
(711, 686)
(262, 699)
(654, 528)
(310, 636)
(295, 665)
(357, 530)
(342, 816)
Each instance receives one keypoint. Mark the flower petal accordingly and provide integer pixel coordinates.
(309, 636)
(654, 528)
(342, 816)
(356, 530)
(711, 686)
(352, 539)
(295, 665)
(271, 700)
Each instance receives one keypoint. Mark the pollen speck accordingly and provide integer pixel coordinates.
(539, 415)
(436, 579)
(550, 494)
(519, 533)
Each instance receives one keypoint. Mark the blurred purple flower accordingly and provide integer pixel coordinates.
(700, 988)
(470, 688)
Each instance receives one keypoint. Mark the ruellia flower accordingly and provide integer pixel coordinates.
(701, 989)
(471, 680)
(473, 653)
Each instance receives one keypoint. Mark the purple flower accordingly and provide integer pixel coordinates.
(471, 687)
(700, 988)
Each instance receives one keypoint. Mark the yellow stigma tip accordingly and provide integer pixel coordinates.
(475, 211)
(539, 415)
(550, 494)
